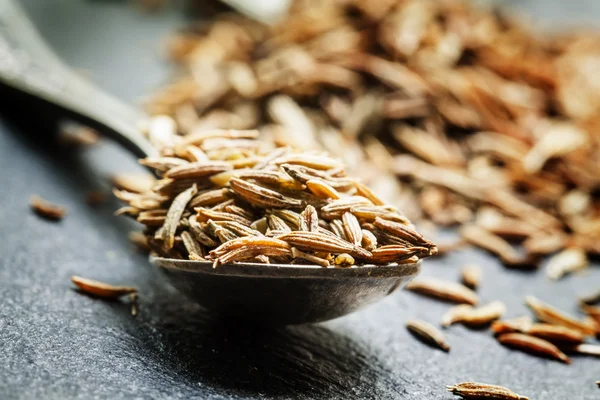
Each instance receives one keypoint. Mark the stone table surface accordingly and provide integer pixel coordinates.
(58, 344)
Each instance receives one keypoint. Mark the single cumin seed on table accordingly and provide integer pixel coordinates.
(428, 333)
(481, 391)
(101, 289)
(471, 275)
(443, 290)
(46, 209)
(552, 315)
(533, 345)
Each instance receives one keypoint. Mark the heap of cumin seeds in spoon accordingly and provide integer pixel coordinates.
(228, 195)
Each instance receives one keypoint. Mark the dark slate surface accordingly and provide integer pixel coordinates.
(58, 344)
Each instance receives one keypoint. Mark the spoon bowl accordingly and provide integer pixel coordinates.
(269, 293)
(282, 294)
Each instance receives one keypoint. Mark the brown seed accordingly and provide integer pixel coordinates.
(455, 314)
(476, 317)
(533, 345)
(352, 228)
(309, 219)
(403, 232)
(369, 241)
(551, 315)
(490, 242)
(567, 261)
(337, 227)
(192, 246)
(95, 198)
(587, 349)
(590, 299)
(205, 214)
(291, 218)
(365, 191)
(199, 234)
(370, 213)
(555, 333)
(250, 241)
(321, 189)
(395, 253)
(277, 224)
(476, 391)
(101, 289)
(592, 312)
(163, 164)
(46, 209)
(428, 333)
(238, 229)
(197, 170)
(443, 290)
(246, 253)
(74, 135)
(233, 209)
(521, 324)
(314, 241)
(209, 198)
(309, 160)
(174, 215)
(471, 275)
(134, 182)
(262, 197)
(544, 244)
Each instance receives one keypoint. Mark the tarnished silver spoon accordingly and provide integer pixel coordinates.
(275, 293)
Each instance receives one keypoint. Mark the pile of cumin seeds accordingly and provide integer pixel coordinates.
(484, 122)
(226, 196)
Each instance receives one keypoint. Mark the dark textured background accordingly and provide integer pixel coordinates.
(58, 344)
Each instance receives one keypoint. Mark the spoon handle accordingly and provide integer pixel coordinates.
(29, 69)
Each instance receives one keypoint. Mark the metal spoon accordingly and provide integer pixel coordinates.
(275, 294)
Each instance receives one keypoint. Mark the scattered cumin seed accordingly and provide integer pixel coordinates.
(591, 299)
(476, 391)
(74, 135)
(551, 315)
(443, 290)
(533, 345)
(95, 198)
(46, 209)
(475, 317)
(427, 333)
(471, 275)
(100, 289)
